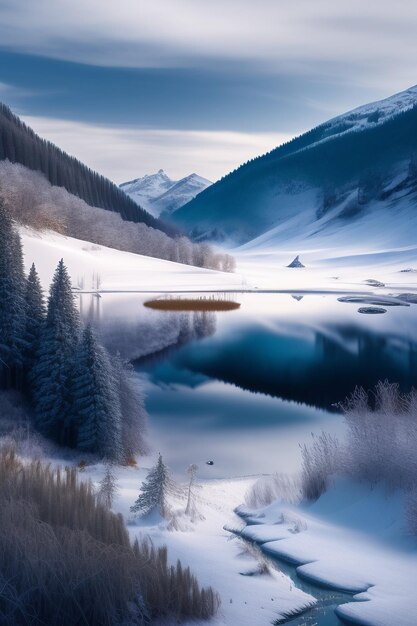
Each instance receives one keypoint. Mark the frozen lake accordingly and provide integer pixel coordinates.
(245, 387)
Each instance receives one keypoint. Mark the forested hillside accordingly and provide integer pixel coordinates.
(357, 154)
(20, 144)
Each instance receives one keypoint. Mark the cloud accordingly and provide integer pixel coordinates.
(122, 153)
(374, 41)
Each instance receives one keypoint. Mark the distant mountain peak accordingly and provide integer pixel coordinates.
(158, 193)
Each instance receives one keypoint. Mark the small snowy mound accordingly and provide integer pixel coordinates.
(373, 300)
(296, 262)
(371, 310)
(374, 283)
(408, 297)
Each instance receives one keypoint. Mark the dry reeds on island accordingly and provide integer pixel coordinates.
(67, 559)
(192, 304)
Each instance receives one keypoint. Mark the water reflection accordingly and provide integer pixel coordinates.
(246, 386)
(303, 364)
(126, 327)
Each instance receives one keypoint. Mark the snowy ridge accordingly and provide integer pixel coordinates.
(334, 174)
(377, 112)
(367, 115)
(159, 193)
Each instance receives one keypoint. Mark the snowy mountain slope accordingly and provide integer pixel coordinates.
(355, 156)
(388, 220)
(118, 271)
(143, 190)
(180, 193)
(159, 193)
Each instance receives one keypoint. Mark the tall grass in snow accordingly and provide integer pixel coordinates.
(67, 559)
(380, 446)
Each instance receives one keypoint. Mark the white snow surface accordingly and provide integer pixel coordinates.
(215, 558)
(159, 193)
(328, 269)
(119, 271)
(353, 538)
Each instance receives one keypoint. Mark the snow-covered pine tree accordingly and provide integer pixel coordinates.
(12, 306)
(96, 406)
(51, 374)
(108, 487)
(155, 491)
(133, 412)
(35, 317)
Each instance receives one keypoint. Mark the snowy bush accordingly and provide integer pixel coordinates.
(380, 445)
(276, 487)
(320, 460)
(382, 435)
(67, 559)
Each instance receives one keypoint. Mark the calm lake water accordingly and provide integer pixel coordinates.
(243, 388)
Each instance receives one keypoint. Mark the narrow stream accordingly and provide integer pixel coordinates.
(323, 612)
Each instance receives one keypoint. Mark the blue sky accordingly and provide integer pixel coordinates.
(135, 85)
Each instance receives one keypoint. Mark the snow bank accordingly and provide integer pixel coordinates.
(248, 597)
(118, 271)
(354, 540)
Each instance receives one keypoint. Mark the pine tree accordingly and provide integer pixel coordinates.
(35, 317)
(12, 306)
(96, 411)
(133, 412)
(51, 375)
(108, 487)
(155, 491)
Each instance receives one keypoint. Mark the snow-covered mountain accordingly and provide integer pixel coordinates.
(158, 193)
(355, 175)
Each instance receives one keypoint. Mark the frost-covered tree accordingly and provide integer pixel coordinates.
(108, 487)
(35, 316)
(155, 491)
(52, 372)
(12, 305)
(133, 412)
(191, 508)
(96, 414)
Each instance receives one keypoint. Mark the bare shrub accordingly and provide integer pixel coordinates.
(320, 460)
(67, 559)
(382, 435)
(276, 487)
(380, 447)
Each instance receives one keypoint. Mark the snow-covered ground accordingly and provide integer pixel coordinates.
(118, 271)
(353, 538)
(215, 557)
(327, 269)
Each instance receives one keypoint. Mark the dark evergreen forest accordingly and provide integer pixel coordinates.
(20, 144)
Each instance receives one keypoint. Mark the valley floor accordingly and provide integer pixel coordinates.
(327, 269)
(353, 537)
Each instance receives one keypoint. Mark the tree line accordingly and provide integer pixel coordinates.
(80, 397)
(34, 202)
(20, 144)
